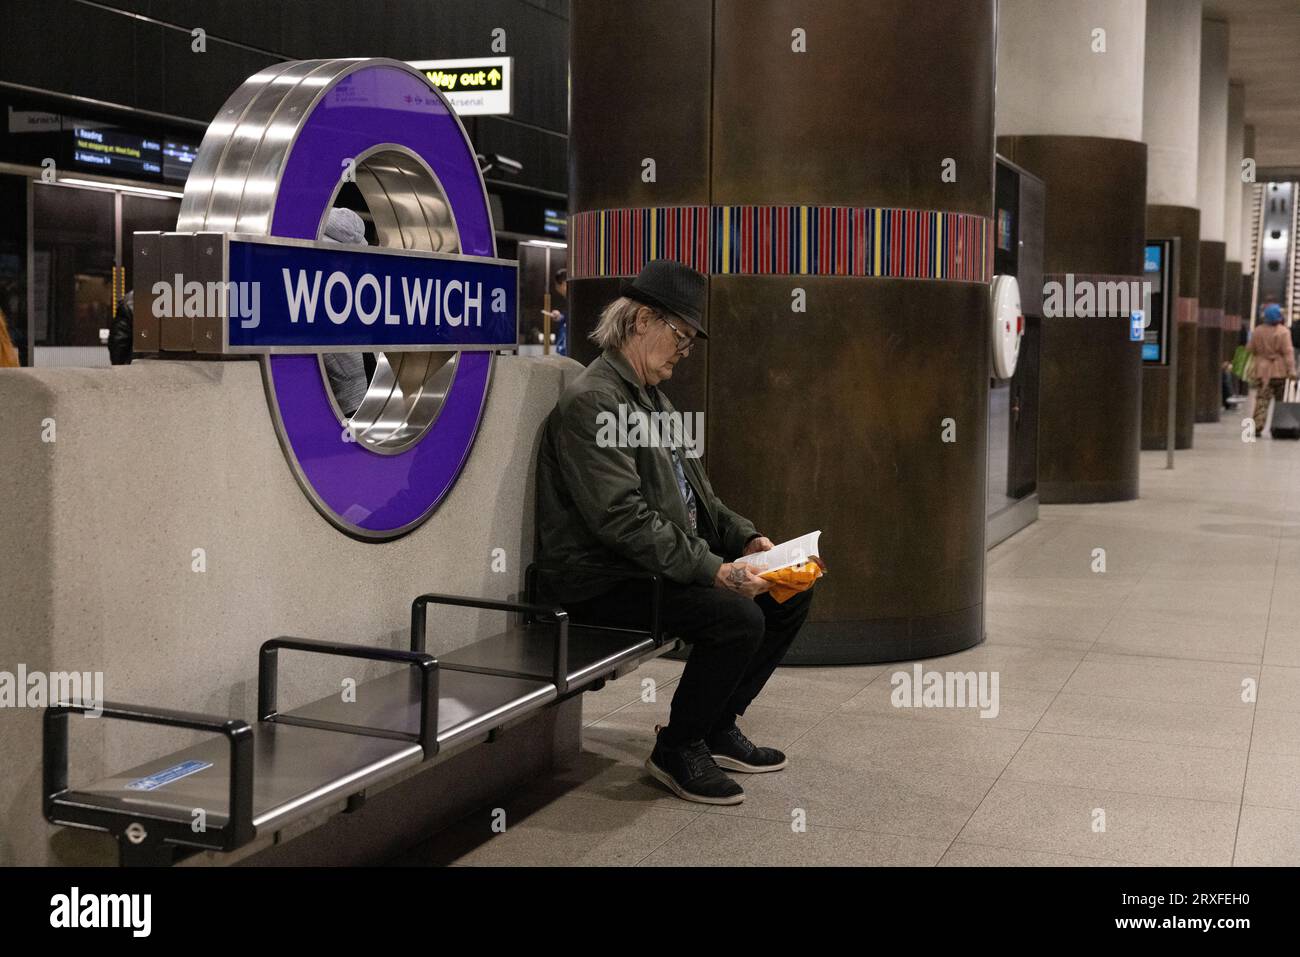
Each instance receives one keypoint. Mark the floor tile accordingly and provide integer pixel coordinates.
(1139, 828)
(931, 747)
(1276, 732)
(1160, 679)
(1268, 837)
(1282, 643)
(816, 689)
(836, 794)
(1011, 707)
(1129, 633)
(714, 839)
(1279, 688)
(962, 854)
(1156, 722)
(1036, 669)
(629, 688)
(1273, 780)
(1168, 770)
(568, 830)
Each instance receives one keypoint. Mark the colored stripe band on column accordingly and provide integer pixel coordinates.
(784, 240)
(1210, 318)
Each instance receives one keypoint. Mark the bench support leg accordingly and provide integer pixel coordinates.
(147, 855)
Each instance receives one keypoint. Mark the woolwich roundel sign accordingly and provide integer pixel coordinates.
(270, 168)
(1008, 326)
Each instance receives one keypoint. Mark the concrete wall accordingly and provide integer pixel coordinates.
(153, 460)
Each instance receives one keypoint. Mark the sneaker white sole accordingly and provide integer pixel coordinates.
(731, 764)
(666, 779)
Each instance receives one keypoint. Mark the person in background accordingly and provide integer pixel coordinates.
(121, 334)
(559, 321)
(1270, 344)
(346, 370)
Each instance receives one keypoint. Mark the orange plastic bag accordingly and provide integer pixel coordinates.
(788, 582)
(8, 353)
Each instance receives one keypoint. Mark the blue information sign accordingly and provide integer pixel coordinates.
(1136, 326)
(295, 296)
(166, 776)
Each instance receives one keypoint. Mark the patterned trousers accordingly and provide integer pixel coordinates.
(1265, 392)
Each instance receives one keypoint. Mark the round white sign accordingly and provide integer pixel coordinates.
(1008, 326)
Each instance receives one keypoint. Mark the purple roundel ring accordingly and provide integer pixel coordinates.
(345, 110)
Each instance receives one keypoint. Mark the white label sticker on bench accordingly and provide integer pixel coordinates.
(168, 775)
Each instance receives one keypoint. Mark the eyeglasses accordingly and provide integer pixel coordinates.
(684, 342)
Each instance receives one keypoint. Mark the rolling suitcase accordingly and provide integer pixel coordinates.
(1286, 414)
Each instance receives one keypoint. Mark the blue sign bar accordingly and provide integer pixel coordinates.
(168, 775)
(295, 296)
(1137, 325)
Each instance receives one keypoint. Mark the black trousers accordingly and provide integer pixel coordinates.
(736, 644)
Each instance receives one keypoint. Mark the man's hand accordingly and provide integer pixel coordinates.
(741, 579)
(760, 544)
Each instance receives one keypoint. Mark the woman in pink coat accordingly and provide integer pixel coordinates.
(1274, 363)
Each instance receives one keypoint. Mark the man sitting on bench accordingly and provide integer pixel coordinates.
(615, 497)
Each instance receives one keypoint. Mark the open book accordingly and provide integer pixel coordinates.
(797, 551)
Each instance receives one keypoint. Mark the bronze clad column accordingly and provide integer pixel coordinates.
(640, 88)
(839, 197)
(1182, 223)
(1209, 335)
(1231, 310)
(1247, 295)
(1090, 392)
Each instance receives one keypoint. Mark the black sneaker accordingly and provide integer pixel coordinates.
(691, 773)
(735, 752)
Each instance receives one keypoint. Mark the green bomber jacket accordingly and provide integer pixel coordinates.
(600, 502)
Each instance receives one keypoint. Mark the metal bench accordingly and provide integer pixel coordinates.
(250, 780)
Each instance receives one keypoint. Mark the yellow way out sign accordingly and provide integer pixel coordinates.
(474, 86)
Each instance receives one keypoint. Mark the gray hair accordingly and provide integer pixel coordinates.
(617, 322)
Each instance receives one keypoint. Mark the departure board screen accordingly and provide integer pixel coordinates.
(177, 160)
(115, 152)
(1155, 275)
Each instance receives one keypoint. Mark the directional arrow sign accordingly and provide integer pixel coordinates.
(475, 86)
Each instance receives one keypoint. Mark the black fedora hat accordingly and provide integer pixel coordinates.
(670, 286)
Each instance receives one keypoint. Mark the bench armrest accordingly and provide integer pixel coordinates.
(560, 662)
(425, 665)
(238, 829)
